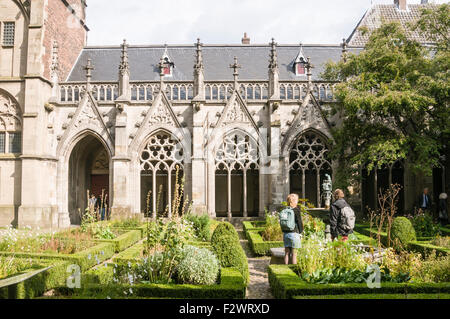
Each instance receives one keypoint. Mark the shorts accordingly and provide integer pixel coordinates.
(291, 240)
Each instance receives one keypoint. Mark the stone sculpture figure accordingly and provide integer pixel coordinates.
(327, 190)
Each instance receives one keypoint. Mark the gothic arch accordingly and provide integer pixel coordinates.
(10, 124)
(85, 144)
(160, 158)
(237, 160)
(308, 164)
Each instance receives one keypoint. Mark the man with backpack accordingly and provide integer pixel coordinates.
(342, 217)
(292, 226)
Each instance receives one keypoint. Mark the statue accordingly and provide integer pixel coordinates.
(327, 190)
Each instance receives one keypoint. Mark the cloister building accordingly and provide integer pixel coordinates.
(244, 124)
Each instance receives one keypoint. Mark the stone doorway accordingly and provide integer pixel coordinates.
(88, 171)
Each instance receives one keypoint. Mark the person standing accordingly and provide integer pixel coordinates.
(292, 226)
(443, 215)
(424, 201)
(342, 217)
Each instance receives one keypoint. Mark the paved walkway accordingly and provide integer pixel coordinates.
(258, 287)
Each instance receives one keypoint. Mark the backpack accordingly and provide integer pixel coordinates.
(348, 218)
(287, 220)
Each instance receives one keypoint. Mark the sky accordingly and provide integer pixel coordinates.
(144, 22)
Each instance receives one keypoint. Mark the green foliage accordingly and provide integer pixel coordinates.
(127, 223)
(198, 266)
(402, 232)
(434, 269)
(201, 224)
(223, 229)
(164, 243)
(230, 253)
(424, 225)
(345, 275)
(443, 241)
(317, 254)
(393, 100)
(272, 229)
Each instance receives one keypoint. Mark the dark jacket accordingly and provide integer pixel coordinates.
(420, 200)
(335, 219)
(298, 220)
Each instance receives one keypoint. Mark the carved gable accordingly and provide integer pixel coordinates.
(236, 112)
(161, 113)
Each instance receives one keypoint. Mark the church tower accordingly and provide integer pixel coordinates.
(41, 40)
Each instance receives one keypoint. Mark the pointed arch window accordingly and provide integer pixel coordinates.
(10, 126)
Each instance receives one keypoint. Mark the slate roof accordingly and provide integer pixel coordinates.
(254, 59)
(377, 14)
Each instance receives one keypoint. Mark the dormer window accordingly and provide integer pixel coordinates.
(300, 63)
(166, 64)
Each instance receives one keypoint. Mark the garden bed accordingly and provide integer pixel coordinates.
(33, 282)
(123, 241)
(230, 286)
(286, 284)
(421, 246)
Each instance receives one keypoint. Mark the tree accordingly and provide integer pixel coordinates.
(393, 99)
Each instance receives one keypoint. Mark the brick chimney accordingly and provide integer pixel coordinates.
(245, 40)
(400, 4)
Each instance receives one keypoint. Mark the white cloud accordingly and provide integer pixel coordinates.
(183, 21)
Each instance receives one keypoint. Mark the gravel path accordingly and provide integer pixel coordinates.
(258, 287)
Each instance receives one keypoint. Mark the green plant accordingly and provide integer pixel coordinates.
(230, 253)
(198, 266)
(9, 265)
(402, 232)
(127, 223)
(316, 254)
(223, 229)
(201, 224)
(424, 225)
(434, 269)
(272, 229)
(441, 241)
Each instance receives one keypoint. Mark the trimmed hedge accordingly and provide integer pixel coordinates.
(227, 247)
(252, 226)
(259, 246)
(285, 284)
(223, 229)
(38, 284)
(85, 259)
(231, 286)
(142, 229)
(123, 241)
(402, 231)
(423, 247)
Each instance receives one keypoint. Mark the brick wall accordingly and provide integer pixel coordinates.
(60, 25)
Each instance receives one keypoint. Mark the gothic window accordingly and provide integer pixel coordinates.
(63, 94)
(290, 95)
(222, 92)
(308, 164)
(208, 92)
(149, 93)
(175, 92)
(258, 92)
(190, 92)
(237, 165)
(10, 126)
(215, 93)
(297, 92)
(141, 93)
(159, 161)
(322, 92)
(76, 93)
(282, 92)
(265, 92)
(183, 92)
(8, 33)
(134, 93)
(242, 91)
(250, 92)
